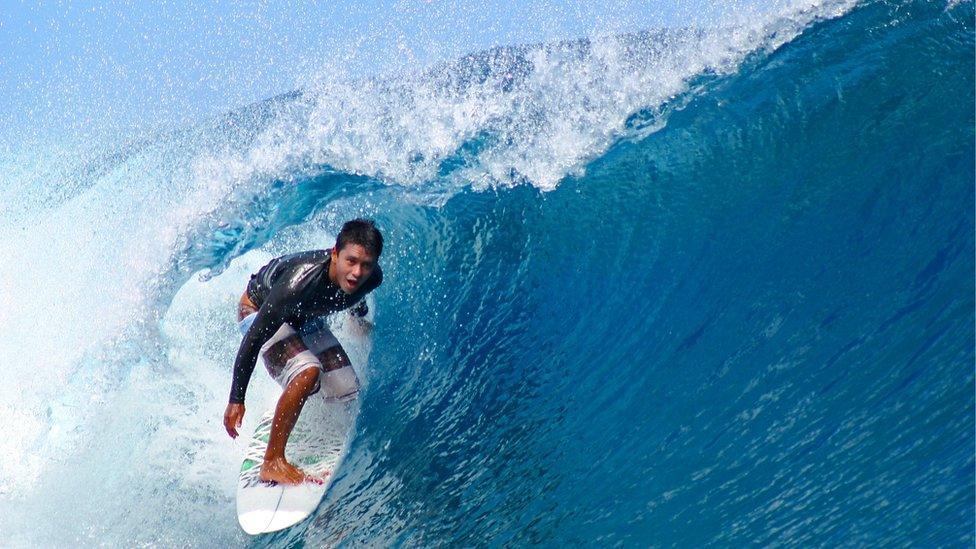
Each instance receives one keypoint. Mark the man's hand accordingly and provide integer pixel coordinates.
(233, 416)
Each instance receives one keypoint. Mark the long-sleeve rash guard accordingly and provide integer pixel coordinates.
(293, 289)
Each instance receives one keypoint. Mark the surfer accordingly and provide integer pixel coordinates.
(282, 316)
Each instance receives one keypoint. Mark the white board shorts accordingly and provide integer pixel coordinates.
(340, 384)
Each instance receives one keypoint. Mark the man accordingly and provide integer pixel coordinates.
(281, 314)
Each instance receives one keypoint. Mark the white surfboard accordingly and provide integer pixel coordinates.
(316, 446)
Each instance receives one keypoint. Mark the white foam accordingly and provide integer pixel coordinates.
(544, 111)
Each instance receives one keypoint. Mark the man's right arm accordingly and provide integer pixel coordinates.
(277, 306)
(274, 311)
(269, 318)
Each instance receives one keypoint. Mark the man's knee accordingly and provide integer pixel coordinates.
(305, 381)
(309, 375)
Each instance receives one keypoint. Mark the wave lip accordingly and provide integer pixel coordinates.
(528, 114)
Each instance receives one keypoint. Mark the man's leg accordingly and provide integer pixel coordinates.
(293, 366)
(275, 467)
(339, 380)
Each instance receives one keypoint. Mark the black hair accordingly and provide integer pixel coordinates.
(363, 232)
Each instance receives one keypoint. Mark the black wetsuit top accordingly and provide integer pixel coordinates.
(293, 289)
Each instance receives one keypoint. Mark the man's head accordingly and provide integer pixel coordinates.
(354, 256)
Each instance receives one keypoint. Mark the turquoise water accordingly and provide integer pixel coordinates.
(677, 288)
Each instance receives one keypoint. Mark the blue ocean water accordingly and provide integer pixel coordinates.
(678, 288)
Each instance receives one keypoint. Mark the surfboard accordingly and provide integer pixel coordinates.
(316, 446)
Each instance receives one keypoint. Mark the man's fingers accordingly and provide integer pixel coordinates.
(233, 418)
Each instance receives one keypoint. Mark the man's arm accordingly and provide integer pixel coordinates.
(279, 304)
(269, 318)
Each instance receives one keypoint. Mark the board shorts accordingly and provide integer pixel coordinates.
(340, 384)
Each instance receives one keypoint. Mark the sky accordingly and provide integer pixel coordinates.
(121, 67)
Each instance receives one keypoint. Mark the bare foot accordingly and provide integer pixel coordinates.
(282, 472)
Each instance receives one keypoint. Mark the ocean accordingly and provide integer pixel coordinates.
(681, 287)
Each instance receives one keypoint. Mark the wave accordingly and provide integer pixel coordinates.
(688, 286)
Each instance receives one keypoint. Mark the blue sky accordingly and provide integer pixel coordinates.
(123, 66)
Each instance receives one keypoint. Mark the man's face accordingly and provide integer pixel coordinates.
(351, 266)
